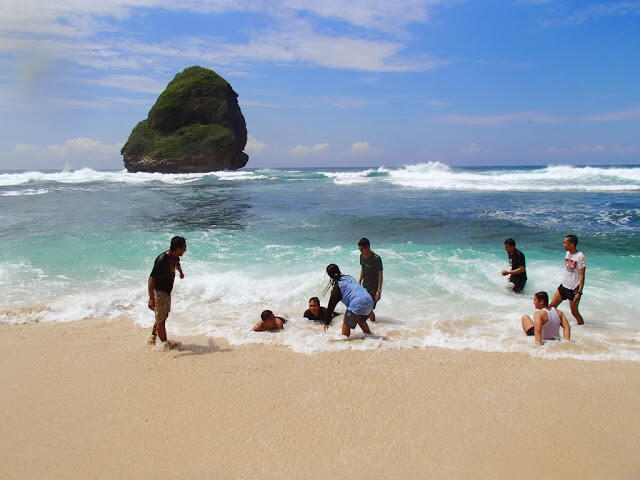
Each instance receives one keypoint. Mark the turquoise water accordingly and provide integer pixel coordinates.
(80, 244)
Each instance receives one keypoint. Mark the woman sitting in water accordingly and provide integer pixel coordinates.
(357, 300)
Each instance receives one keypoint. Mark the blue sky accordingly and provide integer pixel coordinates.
(331, 83)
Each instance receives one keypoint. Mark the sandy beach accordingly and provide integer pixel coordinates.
(89, 400)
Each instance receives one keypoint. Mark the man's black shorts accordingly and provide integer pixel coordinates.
(518, 286)
(373, 297)
(567, 294)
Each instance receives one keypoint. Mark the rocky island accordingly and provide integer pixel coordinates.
(195, 126)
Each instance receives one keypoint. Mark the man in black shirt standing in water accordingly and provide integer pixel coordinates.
(370, 273)
(516, 261)
(160, 285)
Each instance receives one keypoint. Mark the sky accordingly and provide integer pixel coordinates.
(331, 82)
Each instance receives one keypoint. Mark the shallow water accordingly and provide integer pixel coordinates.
(80, 244)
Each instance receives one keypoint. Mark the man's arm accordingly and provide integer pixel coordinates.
(258, 327)
(379, 292)
(361, 275)
(564, 323)
(537, 327)
(580, 284)
(336, 296)
(151, 284)
(179, 268)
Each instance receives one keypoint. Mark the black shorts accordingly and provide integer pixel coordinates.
(530, 332)
(518, 286)
(373, 297)
(567, 294)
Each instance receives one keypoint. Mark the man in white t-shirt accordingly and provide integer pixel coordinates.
(572, 284)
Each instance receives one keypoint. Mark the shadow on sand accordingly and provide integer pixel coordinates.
(189, 349)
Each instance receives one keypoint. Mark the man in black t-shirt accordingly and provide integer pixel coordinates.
(317, 313)
(370, 273)
(160, 285)
(517, 267)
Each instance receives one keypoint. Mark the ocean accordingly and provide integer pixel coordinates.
(80, 244)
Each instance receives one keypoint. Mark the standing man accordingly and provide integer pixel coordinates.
(370, 273)
(160, 285)
(516, 264)
(572, 284)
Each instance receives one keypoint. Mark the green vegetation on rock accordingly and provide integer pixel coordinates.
(195, 119)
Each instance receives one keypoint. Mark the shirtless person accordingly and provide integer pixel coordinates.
(546, 321)
(269, 322)
(572, 284)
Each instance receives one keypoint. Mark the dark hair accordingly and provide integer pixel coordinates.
(364, 242)
(542, 296)
(510, 241)
(266, 314)
(334, 275)
(314, 300)
(334, 271)
(572, 239)
(177, 242)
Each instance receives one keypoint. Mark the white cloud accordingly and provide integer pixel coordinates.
(84, 146)
(304, 150)
(536, 117)
(73, 153)
(361, 148)
(631, 114)
(473, 149)
(595, 11)
(254, 145)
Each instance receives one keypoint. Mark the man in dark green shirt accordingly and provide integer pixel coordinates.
(370, 272)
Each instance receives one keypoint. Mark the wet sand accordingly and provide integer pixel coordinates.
(91, 400)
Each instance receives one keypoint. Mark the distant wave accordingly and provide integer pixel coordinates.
(423, 176)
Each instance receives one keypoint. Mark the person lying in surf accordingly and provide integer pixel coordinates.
(317, 313)
(269, 322)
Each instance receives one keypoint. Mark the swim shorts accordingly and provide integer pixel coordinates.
(163, 305)
(518, 286)
(567, 294)
(373, 297)
(351, 319)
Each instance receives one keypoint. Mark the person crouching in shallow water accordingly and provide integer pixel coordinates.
(160, 285)
(357, 300)
(317, 313)
(269, 322)
(546, 321)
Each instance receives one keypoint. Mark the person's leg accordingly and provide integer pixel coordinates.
(527, 325)
(364, 326)
(346, 331)
(575, 312)
(372, 316)
(556, 300)
(163, 307)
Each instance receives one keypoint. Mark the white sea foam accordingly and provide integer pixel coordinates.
(423, 304)
(427, 176)
(437, 176)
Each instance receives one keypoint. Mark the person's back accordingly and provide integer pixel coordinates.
(354, 295)
(551, 329)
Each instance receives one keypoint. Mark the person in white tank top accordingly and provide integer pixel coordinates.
(546, 321)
